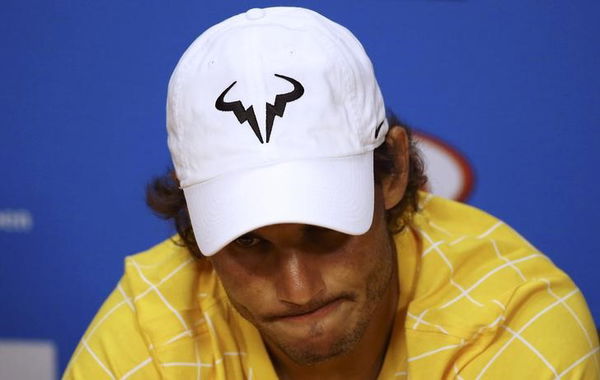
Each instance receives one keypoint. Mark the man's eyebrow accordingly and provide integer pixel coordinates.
(311, 228)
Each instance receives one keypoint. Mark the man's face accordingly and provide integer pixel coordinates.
(310, 291)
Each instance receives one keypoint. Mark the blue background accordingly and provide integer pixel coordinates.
(515, 85)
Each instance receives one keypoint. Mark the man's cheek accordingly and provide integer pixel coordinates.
(351, 271)
(252, 296)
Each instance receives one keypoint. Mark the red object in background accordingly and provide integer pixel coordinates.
(450, 173)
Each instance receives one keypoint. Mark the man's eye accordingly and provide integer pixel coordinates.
(247, 241)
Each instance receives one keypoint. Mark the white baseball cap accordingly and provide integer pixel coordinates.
(273, 116)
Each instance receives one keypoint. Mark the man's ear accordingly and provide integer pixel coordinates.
(394, 185)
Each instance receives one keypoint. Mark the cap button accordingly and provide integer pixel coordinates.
(255, 14)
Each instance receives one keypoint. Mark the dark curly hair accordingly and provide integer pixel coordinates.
(166, 199)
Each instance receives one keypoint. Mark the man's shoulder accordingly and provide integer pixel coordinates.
(460, 219)
(462, 228)
(162, 310)
(479, 287)
(473, 265)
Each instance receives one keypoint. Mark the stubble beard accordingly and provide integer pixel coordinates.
(378, 283)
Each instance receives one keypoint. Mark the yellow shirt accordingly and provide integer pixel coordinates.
(477, 301)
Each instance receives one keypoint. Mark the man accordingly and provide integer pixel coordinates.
(304, 248)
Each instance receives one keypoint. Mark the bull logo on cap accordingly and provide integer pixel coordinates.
(247, 114)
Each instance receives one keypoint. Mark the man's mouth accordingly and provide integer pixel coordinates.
(314, 313)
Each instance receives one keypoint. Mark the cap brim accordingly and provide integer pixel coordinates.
(335, 193)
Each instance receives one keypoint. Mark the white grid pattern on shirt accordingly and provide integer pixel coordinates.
(457, 240)
(491, 324)
(490, 230)
(91, 332)
(500, 305)
(433, 352)
(126, 300)
(197, 358)
(136, 368)
(566, 306)
(434, 246)
(576, 318)
(186, 364)
(162, 297)
(439, 228)
(578, 361)
(87, 347)
(125, 297)
(520, 331)
(510, 263)
(419, 319)
(532, 348)
(154, 287)
(162, 280)
(487, 275)
(213, 331)
(444, 257)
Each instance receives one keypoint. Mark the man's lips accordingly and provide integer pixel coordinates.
(300, 315)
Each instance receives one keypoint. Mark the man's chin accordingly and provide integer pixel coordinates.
(309, 355)
(317, 344)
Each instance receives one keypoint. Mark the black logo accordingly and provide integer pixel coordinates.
(247, 114)
(377, 129)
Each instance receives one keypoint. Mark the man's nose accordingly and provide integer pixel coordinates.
(299, 280)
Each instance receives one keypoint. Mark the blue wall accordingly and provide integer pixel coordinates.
(515, 85)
